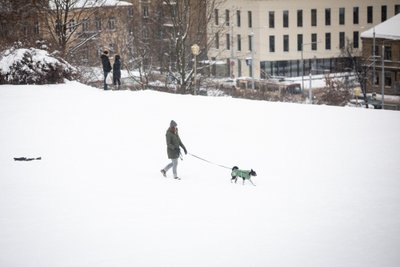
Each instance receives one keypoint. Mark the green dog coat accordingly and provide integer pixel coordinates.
(241, 173)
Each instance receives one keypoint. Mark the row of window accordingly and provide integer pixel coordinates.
(314, 15)
(73, 25)
(294, 68)
(300, 43)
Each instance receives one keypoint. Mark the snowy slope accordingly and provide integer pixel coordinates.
(327, 194)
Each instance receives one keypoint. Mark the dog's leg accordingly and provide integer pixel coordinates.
(252, 182)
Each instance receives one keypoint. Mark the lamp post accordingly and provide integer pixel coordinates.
(302, 68)
(252, 59)
(195, 51)
(374, 58)
(383, 76)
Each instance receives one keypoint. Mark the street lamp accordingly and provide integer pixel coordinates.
(302, 68)
(383, 75)
(195, 51)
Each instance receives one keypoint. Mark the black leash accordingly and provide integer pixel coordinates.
(209, 161)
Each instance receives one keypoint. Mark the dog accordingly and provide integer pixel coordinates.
(245, 175)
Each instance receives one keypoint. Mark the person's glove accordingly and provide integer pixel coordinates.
(184, 149)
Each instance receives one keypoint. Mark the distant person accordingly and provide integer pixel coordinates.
(117, 72)
(106, 67)
(173, 149)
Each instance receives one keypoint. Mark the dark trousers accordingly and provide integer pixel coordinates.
(116, 81)
(105, 80)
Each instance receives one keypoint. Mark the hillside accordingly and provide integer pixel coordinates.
(327, 191)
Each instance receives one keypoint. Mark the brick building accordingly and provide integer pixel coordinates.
(385, 37)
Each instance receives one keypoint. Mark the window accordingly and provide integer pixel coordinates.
(98, 23)
(145, 34)
(217, 41)
(85, 25)
(299, 18)
(250, 43)
(285, 18)
(388, 52)
(355, 39)
(341, 40)
(328, 41)
(388, 78)
(216, 17)
(239, 42)
(228, 41)
(111, 23)
(355, 15)
(36, 27)
(327, 16)
(227, 19)
(72, 25)
(145, 11)
(370, 14)
(396, 9)
(383, 13)
(271, 18)
(272, 43)
(341, 16)
(239, 64)
(250, 19)
(58, 26)
(238, 22)
(314, 42)
(286, 43)
(313, 17)
(299, 42)
(377, 49)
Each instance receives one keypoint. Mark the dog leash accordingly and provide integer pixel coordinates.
(209, 161)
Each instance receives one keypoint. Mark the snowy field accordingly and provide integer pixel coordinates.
(327, 191)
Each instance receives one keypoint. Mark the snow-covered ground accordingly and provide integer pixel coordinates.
(327, 194)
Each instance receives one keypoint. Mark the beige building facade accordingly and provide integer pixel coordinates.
(263, 38)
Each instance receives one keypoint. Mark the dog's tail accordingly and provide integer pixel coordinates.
(235, 168)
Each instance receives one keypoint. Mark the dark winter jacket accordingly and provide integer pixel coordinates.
(117, 68)
(106, 63)
(173, 144)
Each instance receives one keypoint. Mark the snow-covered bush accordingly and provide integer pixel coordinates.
(33, 66)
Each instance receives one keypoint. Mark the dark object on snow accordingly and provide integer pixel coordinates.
(27, 159)
(245, 175)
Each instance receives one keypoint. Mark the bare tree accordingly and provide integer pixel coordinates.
(188, 20)
(62, 19)
(354, 62)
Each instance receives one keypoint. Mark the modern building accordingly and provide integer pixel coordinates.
(385, 38)
(262, 38)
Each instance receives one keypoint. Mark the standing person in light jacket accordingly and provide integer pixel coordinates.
(117, 72)
(105, 61)
(173, 150)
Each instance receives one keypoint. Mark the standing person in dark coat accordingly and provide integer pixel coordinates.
(173, 151)
(117, 71)
(106, 67)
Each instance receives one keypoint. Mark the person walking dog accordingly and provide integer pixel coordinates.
(173, 149)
